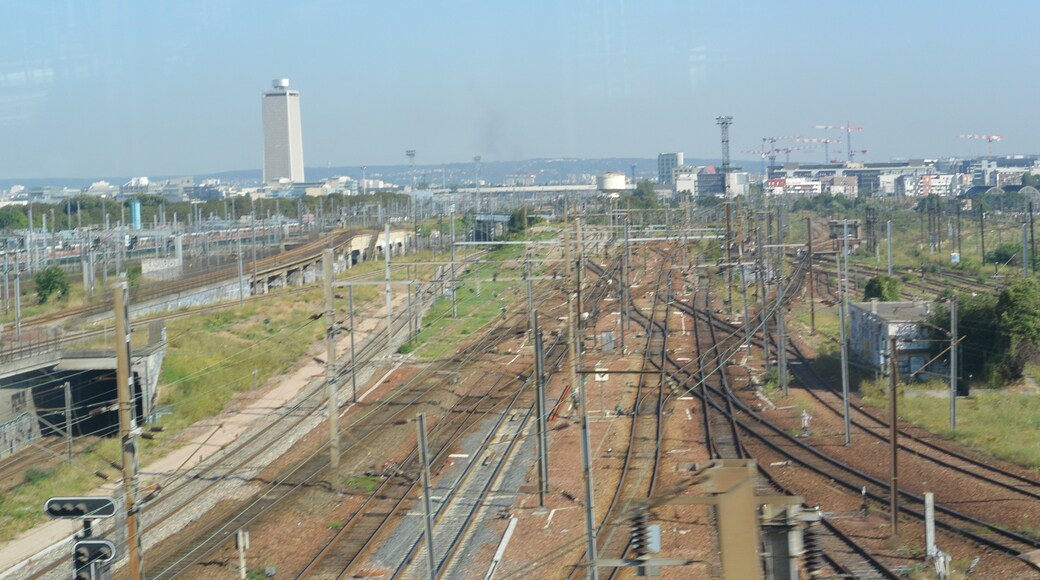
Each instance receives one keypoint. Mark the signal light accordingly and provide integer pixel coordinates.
(80, 507)
(87, 551)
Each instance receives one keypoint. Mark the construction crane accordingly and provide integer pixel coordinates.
(989, 138)
(852, 154)
(768, 150)
(848, 128)
(787, 151)
(826, 145)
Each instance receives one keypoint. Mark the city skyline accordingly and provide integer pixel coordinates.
(95, 92)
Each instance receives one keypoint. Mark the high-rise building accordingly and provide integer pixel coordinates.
(283, 139)
(667, 163)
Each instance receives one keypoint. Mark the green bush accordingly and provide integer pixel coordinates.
(51, 281)
(34, 474)
(884, 288)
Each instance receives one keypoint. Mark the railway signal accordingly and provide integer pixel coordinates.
(80, 507)
(87, 554)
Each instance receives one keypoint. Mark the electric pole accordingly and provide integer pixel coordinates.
(389, 308)
(454, 302)
(812, 280)
(844, 354)
(353, 354)
(543, 442)
(893, 437)
(982, 236)
(330, 370)
(889, 225)
(953, 364)
(424, 458)
(127, 427)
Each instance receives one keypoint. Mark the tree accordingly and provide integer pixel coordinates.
(1001, 334)
(1009, 254)
(13, 218)
(982, 349)
(644, 197)
(517, 224)
(50, 281)
(825, 204)
(1018, 307)
(884, 288)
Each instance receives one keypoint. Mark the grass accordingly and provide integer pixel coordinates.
(31, 306)
(365, 483)
(261, 573)
(210, 359)
(22, 507)
(1000, 423)
(442, 334)
(826, 319)
(34, 474)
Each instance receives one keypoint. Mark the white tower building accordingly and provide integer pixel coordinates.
(283, 139)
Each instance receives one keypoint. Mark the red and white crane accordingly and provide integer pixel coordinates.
(848, 128)
(826, 145)
(768, 149)
(989, 138)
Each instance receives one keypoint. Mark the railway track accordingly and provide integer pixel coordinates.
(457, 509)
(389, 411)
(358, 532)
(141, 322)
(192, 484)
(723, 434)
(948, 280)
(926, 448)
(974, 529)
(103, 303)
(959, 462)
(395, 408)
(640, 468)
(395, 492)
(458, 531)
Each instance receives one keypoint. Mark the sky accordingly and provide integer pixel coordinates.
(124, 87)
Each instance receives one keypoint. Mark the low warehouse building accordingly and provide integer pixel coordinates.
(872, 324)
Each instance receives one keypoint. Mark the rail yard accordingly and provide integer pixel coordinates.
(601, 396)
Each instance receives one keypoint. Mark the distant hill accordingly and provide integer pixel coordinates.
(544, 170)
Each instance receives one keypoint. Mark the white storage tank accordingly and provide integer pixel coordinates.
(611, 181)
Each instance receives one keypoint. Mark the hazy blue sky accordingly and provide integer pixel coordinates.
(126, 87)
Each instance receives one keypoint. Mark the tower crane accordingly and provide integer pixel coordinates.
(768, 150)
(787, 151)
(989, 138)
(848, 128)
(826, 145)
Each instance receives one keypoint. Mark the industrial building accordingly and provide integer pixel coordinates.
(700, 182)
(283, 139)
(872, 324)
(667, 163)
